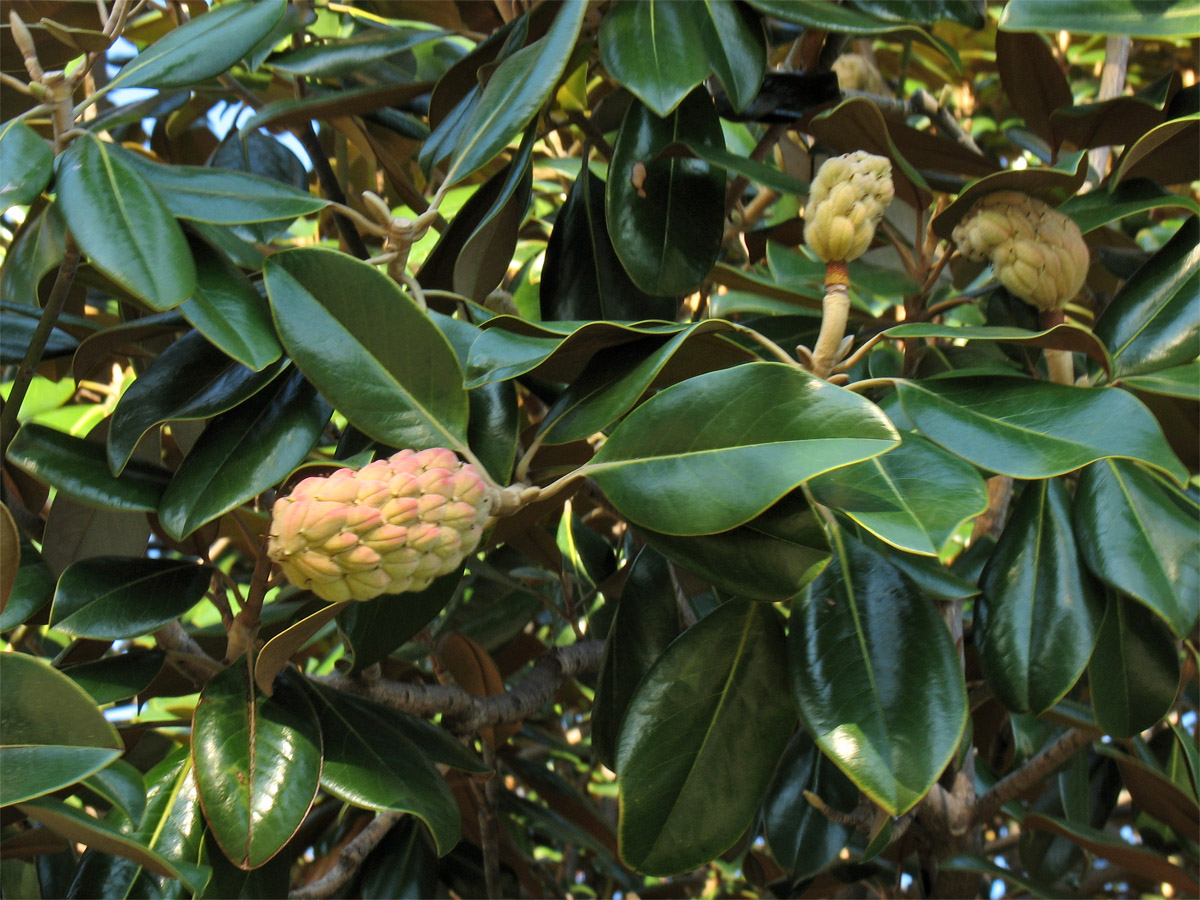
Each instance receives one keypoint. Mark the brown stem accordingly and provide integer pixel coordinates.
(185, 654)
(1038, 768)
(331, 189)
(244, 631)
(37, 343)
(351, 857)
(489, 826)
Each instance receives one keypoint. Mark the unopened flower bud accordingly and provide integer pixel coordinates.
(846, 201)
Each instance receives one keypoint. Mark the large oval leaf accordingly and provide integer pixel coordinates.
(371, 764)
(40, 753)
(914, 498)
(665, 216)
(26, 161)
(712, 452)
(190, 380)
(369, 349)
(1134, 672)
(649, 47)
(876, 676)
(79, 468)
(201, 48)
(244, 452)
(701, 738)
(1129, 17)
(1140, 536)
(640, 631)
(122, 225)
(114, 598)
(1154, 321)
(257, 763)
(1037, 620)
(1035, 429)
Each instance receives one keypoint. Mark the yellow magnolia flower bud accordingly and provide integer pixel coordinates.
(846, 201)
(857, 73)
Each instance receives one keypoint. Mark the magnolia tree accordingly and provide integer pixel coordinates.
(461, 449)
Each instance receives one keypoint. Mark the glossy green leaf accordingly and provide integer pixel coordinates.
(372, 765)
(258, 153)
(515, 93)
(404, 865)
(122, 225)
(20, 323)
(766, 428)
(171, 826)
(1140, 536)
(377, 628)
(201, 48)
(36, 249)
(337, 58)
(223, 196)
(876, 676)
(665, 216)
(41, 753)
(1038, 618)
(701, 739)
(556, 351)
(1134, 672)
(189, 380)
(227, 309)
(914, 498)
(33, 587)
(243, 452)
(79, 468)
(370, 350)
(257, 762)
(122, 786)
(116, 598)
(1096, 208)
(650, 48)
(113, 678)
(26, 161)
(965, 862)
(1128, 17)
(1035, 429)
(436, 743)
(971, 13)
(646, 621)
(772, 557)
(802, 838)
(582, 277)
(1177, 381)
(1153, 322)
(78, 827)
(617, 378)
(759, 172)
(1061, 337)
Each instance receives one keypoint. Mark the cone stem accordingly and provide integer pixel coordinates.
(835, 309)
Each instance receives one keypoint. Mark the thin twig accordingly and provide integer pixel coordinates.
(185, 654)
(350, 858)
(1038, 768)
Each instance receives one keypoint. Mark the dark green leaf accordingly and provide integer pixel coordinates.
(121, 785)
(1128, 17)
(1139, 535)
(582, 277)
(258, 153)
(243, 452)
(1091, 210)
(762, 173)
(79, 468)
(42, 753)
(914, 498)
(122, 225)
(337, 58)
(26, 161)
(772, 557)
(876, 676)
(190, 380)
(1060, 337)
(1032, 79)
(515, 93)
(1166, 154)
(226, 309)
(665, 216)
(1035, 429)
(1037, 620)
(257, 762)
(1178, 381)
(20, 323)
(114, 678)
(1152, 324)
(646, 621)
(701, 738)
(370, 350)
(617, 378)
(32, 589)
(372, 765)
(37, 248)
(205, 46)
(115, 598)
(734, 45)
(971, 13)
(802, 838)
(766, 428)
(377, 628)
(650, 47)
(223, 196)
(1134, 672)
(78, 827)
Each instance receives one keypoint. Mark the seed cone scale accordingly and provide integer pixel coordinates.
(1038, 253)
(390, 527)
(845, 203)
